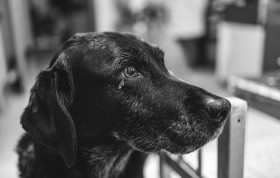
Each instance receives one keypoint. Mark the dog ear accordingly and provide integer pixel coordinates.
(47, 118)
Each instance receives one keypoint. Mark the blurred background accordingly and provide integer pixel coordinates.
(229, 47)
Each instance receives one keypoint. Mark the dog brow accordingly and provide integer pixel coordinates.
(144, 59)
(159, 53)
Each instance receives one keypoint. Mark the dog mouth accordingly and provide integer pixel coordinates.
(179, 133)
(184, 138)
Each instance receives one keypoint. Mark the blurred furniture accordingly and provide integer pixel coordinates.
(53, 22)
(3, 70)
(248, 40)
(91, 15)
(262, 93)
(20, 36)
(6, 29)
(105, 21)
(230, 149)
(239, 50)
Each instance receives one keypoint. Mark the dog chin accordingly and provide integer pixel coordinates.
(178, 147)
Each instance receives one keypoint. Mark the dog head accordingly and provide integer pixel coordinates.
(103, 87)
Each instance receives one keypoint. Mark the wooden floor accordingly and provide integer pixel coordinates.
(262, 156)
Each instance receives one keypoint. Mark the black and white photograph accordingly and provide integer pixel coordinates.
(139, 88)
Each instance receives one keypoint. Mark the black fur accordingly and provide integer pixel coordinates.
(103, 103)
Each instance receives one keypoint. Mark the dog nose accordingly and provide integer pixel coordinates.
(218, 109)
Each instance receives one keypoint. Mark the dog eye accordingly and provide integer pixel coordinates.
(131, 72)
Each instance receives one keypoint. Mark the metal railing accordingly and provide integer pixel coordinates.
(230, 149)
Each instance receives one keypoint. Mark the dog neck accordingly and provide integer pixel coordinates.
(106, 161)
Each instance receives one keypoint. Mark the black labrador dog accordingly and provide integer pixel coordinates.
(103, 103)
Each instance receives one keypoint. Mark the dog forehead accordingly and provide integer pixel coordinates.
(109, 46)
(116, 42)
(107, 49)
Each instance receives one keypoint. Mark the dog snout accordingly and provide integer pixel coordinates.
(218, 109)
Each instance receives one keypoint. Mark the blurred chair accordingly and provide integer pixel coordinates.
(230, 149)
